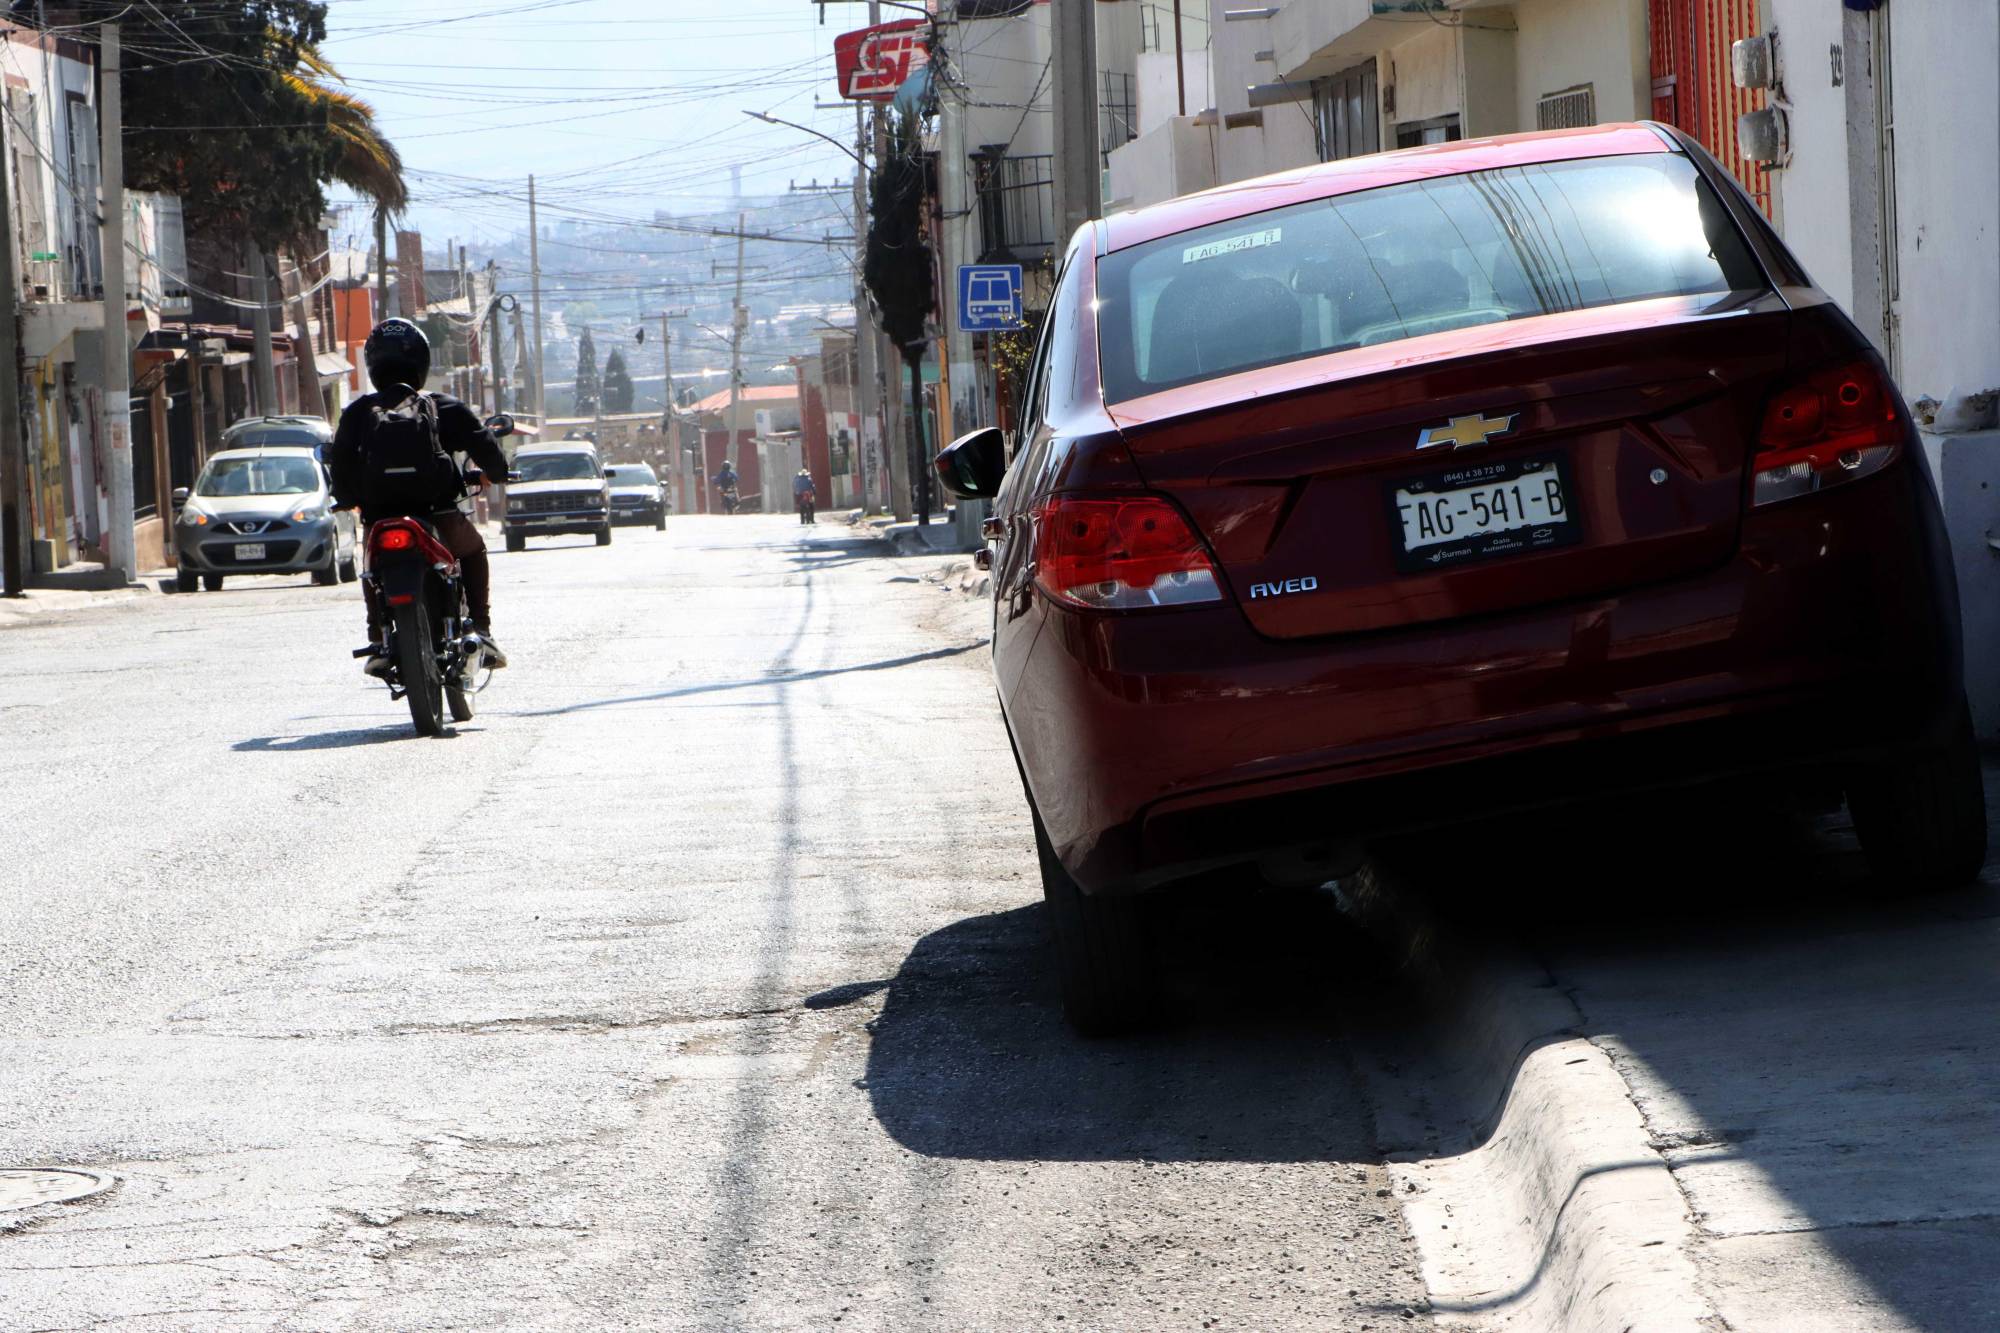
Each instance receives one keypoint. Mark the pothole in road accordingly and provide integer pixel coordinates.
(33, 1187)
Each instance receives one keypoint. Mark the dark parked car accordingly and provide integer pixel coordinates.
(562, 489)
(1445, 485)
(636, 495)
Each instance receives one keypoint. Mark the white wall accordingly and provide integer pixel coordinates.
(1001, 61)
(1174, 158)
(1159, 91)
(1945, 57)
(1424, 72)
(1813, 198)
(1563, 43)
(1285, 137)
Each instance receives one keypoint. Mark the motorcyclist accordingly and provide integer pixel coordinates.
(803, 497)
(398, 357)
(725, 482)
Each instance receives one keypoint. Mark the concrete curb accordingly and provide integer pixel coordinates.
(1525, 1170)
(46, 601)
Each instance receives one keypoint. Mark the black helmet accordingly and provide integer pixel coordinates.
(397, 353)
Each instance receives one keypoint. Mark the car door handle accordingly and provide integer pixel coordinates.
(992, 529)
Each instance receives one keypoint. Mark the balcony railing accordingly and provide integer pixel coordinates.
(1017, 213)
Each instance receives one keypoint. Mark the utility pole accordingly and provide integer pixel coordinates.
(260, 328)
(535, 264)
(739, 320)
(121, 543)
(523, 397)
(493, 308)
(1073, 56)
(895, 451)
(867, 390)
(13, 537)
(381, 264)
(472, 333)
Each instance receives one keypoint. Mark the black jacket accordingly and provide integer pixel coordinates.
(461, 431)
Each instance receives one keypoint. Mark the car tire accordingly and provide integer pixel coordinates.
(516, 542)
(1921, 819)
(348, 570)
(186, 580)
(1104, 959)
(660, 521)
(604, 535)
(212, 582)
(328, 577)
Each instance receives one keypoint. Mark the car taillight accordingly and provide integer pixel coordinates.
(1830, 427)
(395, 539)
(1116, 555)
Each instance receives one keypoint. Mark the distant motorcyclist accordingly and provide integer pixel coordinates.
(805, 498)
(395, 455)
(725, 486)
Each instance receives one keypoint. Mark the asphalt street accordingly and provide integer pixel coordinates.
(698, 983)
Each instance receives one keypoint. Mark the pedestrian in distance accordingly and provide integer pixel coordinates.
(804, 498)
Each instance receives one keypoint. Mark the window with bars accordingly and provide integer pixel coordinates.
(1570, 109)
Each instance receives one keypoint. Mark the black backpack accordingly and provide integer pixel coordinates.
(404, 464)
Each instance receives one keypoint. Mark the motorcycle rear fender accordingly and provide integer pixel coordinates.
(401, 577)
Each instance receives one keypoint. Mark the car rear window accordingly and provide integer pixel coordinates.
(257, 436)
(1397, 262)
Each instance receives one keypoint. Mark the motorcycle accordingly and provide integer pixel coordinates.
(730, 500)
(437, 661)
(808, 507)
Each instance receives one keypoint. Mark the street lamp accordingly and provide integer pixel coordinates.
(807, 129)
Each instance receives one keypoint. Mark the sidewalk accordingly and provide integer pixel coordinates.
(79, 588)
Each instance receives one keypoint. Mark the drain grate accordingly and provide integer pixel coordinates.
(30, 1188)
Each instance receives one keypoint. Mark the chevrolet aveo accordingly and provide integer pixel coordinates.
(1449, 484)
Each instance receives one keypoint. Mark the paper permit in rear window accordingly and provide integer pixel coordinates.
(1254, 240)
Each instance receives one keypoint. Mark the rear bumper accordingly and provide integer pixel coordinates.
(1157, 744)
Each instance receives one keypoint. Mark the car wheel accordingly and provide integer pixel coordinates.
(1921, 819)
(186, 580)
(1104, 960)
(604, 535)
(326, 578)
(660, 521)
(212, 582)
(516, 542)
(348, 572)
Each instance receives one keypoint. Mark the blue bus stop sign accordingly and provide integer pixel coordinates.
(989, 297)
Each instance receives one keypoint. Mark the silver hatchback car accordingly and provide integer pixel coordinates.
(264, 510)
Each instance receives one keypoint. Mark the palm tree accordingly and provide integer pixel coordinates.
(368, 163)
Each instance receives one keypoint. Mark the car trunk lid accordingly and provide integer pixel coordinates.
(1612, 440)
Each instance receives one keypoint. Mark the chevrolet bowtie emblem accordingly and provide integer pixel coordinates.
(1463, 431)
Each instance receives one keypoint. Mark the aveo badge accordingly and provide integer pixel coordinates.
(1279, 589)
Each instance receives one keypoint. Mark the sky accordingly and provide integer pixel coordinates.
(618, 107)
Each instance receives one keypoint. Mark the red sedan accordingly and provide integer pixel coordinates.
(1443, 484)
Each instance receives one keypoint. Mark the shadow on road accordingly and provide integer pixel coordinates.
(334, 740)
(779, 676)
(971, 1057)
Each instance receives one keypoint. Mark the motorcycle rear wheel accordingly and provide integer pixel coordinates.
(417, 667)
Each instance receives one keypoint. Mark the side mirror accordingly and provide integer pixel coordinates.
(972, 466)
(500, 424)
(180, 496)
